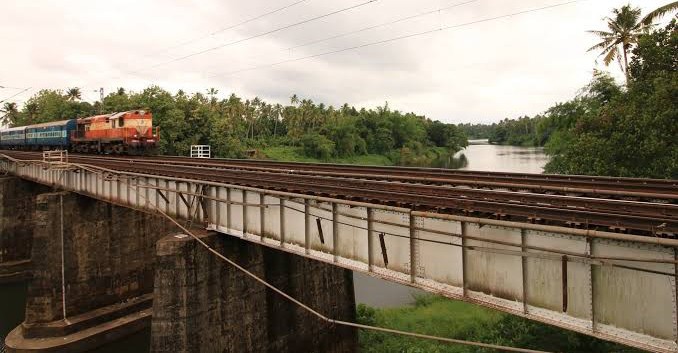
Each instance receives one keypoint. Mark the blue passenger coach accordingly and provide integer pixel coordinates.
(54, 134)
(13, 137)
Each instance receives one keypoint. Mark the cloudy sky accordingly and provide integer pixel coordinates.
(470, 71)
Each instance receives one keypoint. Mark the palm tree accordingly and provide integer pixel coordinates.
(10, 114)
(73, 94)
(624, 30)
(31, 109)
(212, 92)
(659, 12)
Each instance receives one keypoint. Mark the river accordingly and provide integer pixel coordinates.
(479, 155)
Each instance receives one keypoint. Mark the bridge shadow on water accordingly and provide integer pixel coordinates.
(12, 306)
(12, 311)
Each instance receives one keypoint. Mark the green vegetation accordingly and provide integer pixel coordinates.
(296, 154)
(447, 318)
(609, 129)
(476, 131)
(301, 131)
(623, 33)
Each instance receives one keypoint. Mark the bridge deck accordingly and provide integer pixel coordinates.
(620, 287)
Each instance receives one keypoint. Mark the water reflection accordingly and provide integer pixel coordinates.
(139, 342)
(496, 158)
(450, 161)
(380, 293)
(12, 304)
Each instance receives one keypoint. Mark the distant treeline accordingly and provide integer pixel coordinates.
(610, 129)
(234, 125)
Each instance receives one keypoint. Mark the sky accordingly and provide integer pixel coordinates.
(476, 64)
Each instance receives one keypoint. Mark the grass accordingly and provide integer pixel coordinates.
(430, 315)
(295, 154)
(442, 317)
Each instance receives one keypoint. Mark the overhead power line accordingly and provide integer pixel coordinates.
(252, 19)
(255, 36)
(402, 19)
(393, 39)
(9, 87)
(421, 14)
(16, 94)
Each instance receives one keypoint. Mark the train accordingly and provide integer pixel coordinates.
(130, 132)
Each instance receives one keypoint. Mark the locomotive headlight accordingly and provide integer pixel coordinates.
(136, 135)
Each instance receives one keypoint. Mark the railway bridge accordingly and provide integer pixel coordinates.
(594, 255)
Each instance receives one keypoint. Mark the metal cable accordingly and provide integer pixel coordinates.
(393, 39)
(254, 36)
(252, 19)
(320, 315)
(340, 322)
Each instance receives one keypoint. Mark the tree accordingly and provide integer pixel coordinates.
(10, 114)
(632, 132)
(659, 12)
(212, 92)
(73, 94)
(623, 33)
(31, 110)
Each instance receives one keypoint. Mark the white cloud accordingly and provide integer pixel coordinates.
(482, 72)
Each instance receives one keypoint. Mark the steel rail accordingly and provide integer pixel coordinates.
(622, 181)
(588, 233)
(543, 183)
(615, 206)
(650, 225)
(586, 203)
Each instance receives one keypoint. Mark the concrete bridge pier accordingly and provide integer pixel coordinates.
(92, 274)
(203, 304)
(17, 202)
(100, 272)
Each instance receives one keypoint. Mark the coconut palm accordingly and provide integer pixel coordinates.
(73, 94)
(31, 109)
(212, 92)
(659, 12)
(10, 114)
(624, 29)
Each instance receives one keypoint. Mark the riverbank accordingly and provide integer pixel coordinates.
(439, 157)
(443, 317)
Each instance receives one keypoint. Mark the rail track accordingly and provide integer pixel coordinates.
(638, 217)
(576, 185)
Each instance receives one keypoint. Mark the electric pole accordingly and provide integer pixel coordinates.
(101, 99)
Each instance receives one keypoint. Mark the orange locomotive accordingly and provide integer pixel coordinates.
(129, 132)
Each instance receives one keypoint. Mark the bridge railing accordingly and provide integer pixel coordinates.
(614, 286)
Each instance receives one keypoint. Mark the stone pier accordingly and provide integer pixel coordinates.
(93, 267)
(202, 304)
(17, 203)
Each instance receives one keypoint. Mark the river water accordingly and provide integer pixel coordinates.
(479, 155)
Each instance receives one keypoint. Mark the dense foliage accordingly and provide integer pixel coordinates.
(442, 317)
(232, 126)
(610, 129)
(477, 131)
(628, 132)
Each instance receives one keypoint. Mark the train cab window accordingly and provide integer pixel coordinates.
(121, 122)
(113, 124)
